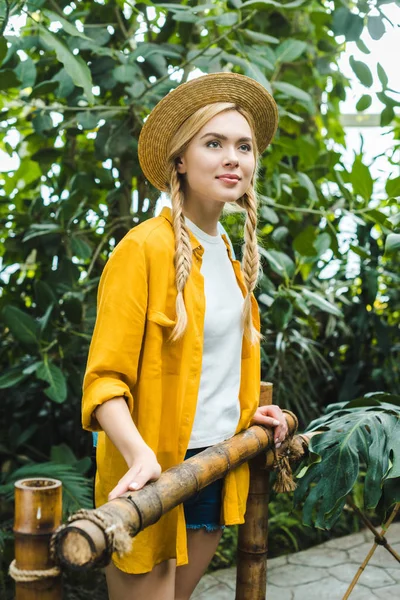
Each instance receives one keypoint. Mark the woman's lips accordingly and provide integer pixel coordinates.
(228, 180)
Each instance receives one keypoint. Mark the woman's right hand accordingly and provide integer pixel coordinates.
(144, 468)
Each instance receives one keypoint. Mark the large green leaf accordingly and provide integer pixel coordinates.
(73, 64)
(21, 325)
(363, 434)
(321, 302)
(393, 187)
(289, 50)
(361, 179)
(362, 71)
(57, 391)
(280, 263)
(66, 25)
(11, 377)
(392, 242)
(292, 90)
(303, 243)
(376, 27)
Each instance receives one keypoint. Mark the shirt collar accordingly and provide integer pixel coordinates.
(166, 212)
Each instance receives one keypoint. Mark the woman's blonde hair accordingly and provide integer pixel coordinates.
(246, 203)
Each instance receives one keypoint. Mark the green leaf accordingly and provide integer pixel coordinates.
(392, 187)
(289, 50)
(39, 229)
(125, 73)
(87, 119)
(361, 46)
(376, 27)
(347, 23)
(306, 182)
(279, 262)
(8, 79)
(43, 88)
(364, 102)
(303, 243)
(322, 243)
(291, 90)
(26, 73)
(227, 19)
(256, 36)
(252, 70)
(392, 242)
(49, 372)
(281, 312)
(387, 116)
(360, 251)
(11, 377)
(362, 71)
(21, 325)
(65, 84)
(66, 25)
(358, 437)
(74, 65)
(361, 179)
(42, 121)
(321, 302)
(269, 215)
(383, 78)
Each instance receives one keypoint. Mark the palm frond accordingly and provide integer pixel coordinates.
(77, 489)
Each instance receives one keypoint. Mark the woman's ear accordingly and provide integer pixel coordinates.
(180, 165)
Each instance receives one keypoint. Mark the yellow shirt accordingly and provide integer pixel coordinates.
(129, 356)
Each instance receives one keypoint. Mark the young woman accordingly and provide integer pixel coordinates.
(174, 362)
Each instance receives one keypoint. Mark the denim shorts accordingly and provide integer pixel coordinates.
(203, 510)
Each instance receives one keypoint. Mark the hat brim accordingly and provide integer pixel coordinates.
(179, 104)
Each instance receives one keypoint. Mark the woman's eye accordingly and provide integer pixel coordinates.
(248, 148)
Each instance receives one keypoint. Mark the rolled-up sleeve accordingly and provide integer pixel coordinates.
(117, 337)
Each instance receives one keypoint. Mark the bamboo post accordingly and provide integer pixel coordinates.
(90, 536)
(38, 512)
(251, 573)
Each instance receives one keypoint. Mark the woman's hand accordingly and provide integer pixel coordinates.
(144, 468)
(272, 416)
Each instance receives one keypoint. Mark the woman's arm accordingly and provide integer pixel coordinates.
(115, 419)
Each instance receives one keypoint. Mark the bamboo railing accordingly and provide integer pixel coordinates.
(90, 537)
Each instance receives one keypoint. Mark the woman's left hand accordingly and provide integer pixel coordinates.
(272, 416)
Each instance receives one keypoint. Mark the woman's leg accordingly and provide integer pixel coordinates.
(202, 545)
(159, 584)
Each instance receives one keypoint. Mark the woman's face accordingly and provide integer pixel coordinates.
(224, 146)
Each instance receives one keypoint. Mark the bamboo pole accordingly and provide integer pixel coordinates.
(251, 573)
(38, 512)
(85, 542)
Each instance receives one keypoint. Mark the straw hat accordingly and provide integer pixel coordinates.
(179, 104)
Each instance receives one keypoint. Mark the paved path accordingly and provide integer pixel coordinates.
(323, 572)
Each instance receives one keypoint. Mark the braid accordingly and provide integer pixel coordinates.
(183, 254)
(250, 262)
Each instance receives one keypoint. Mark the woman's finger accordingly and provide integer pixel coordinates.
(123, 484)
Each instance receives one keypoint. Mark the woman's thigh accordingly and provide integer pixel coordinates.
(202, 545)
(159, 584)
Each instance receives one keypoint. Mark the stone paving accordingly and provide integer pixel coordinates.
(323, 572)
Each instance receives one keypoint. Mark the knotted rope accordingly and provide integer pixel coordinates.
(117, 538)
(294, 450)
(25, 576)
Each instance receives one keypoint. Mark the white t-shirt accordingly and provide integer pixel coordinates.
(218, 406)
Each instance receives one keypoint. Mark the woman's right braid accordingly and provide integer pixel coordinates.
(183, 254)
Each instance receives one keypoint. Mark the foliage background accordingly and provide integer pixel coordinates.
(76, 83)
